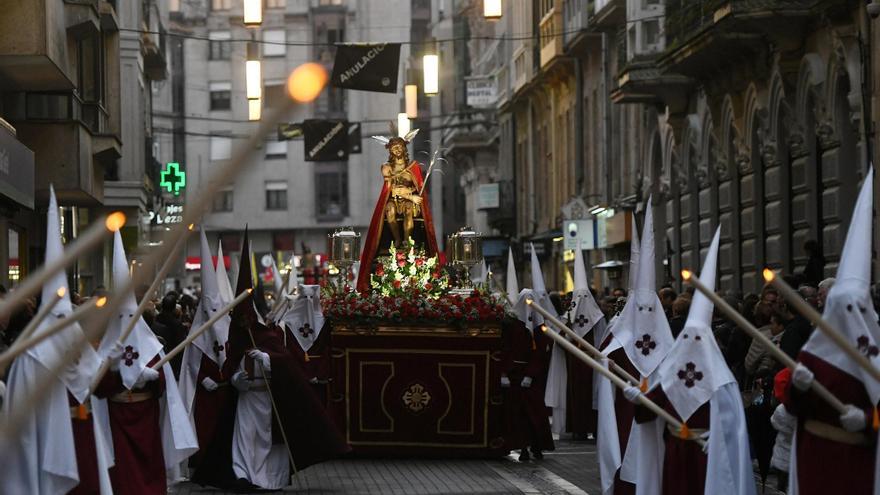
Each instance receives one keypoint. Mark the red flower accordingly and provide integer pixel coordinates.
(380, 270)
(401, 263)
(396, 284)
(428, 286)
(400, 256)
(420, 262)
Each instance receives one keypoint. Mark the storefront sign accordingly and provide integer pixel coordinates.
(488, 196)
(481, 91)
(167, 215)
(16, 169)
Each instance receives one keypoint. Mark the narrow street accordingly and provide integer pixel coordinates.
(571, 469)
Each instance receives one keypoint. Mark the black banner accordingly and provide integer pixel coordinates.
(325, 140)
(354, 138)
(366, 67)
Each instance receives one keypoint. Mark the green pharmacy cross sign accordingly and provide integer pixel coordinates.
(172, 178)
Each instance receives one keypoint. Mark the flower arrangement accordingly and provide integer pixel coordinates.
(412, 307)
(407, 270)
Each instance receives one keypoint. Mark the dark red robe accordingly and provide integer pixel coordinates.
(624, 412)
(318, 366)
(823, 465)
(312, 436)
(684, 464)
(137, 439)
(207, 404)
(580, 417)
(377, 226)
(86, 453)
(526, 422)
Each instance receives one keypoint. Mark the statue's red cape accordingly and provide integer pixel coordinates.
(377, 225)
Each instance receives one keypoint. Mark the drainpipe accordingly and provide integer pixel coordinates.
(606, 121)
(579, 128)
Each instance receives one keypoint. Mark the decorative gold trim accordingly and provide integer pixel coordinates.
(416, 398)
(473, 404)
(381, 397)
(483, 444)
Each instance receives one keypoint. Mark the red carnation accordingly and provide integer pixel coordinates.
(396, 284)
(420, 262)
(428, 286)
(401, 263)
(400, 256)
(380, 270)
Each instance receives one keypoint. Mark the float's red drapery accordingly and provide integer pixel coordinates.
(377, 223)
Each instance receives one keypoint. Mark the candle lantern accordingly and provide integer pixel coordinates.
(345, 247)
(466, 250)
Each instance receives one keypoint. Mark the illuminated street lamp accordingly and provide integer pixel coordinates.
(253, 13)
(492, 10)
(255, 108)
(411, 95)
(431, 74)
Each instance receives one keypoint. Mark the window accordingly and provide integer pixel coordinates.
(276, 149)
(221, 147)
(273, 43)
(331, 184)
(275, 4)
(220, 46)
(220, 95)
(231, 242)
(221, 4)
(276, 195)
(274, 93)
(223, 201)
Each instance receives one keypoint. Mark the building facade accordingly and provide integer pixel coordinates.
(289, 205)
(715, 110)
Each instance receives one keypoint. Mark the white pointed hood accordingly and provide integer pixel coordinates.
(77, 376)
(539, 289)
(537, 275)
(848, 307)
(585, 313)
(223, 285)
(141, 346)
(642, 329)
(292, 277)
(212, 343)
(512, 285)
(277, 280)
(634, 253)
(305, 319)
(695, 367)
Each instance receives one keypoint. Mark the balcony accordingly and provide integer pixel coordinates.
(703, 36)
(153, 43)
(608, 15)
(551, 42)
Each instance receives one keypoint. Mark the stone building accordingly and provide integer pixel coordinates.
(747, 115)
(288, 204)
(75, 86)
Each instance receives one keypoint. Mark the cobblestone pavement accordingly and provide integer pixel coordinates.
(571, 469)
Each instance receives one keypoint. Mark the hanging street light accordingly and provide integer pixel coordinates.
(411, 95)
(253, 13)
(255, 108)
(431, 74)
(492, 10)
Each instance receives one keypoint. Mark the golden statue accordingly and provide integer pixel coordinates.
(402, 208)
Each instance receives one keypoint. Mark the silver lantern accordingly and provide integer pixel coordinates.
(345, 247)
(466, 250)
